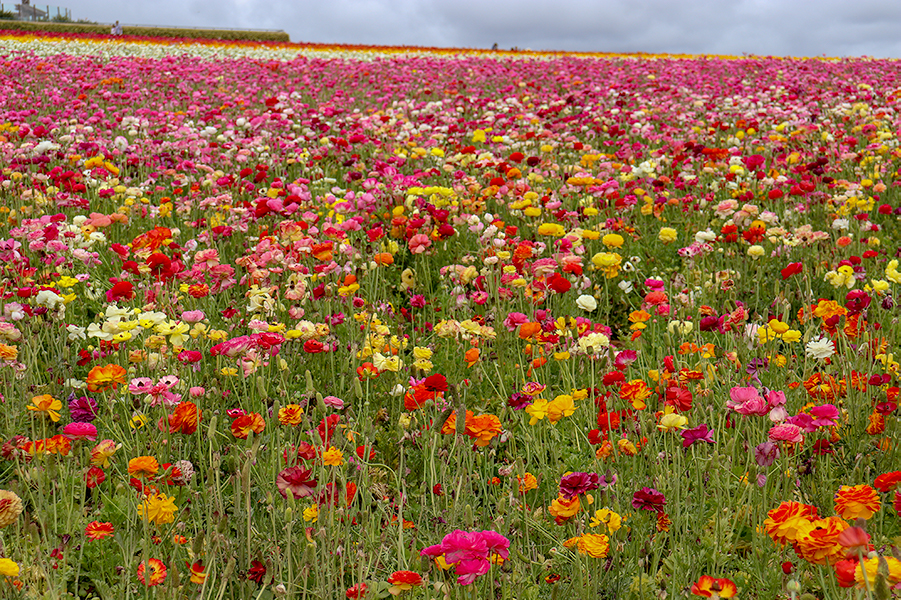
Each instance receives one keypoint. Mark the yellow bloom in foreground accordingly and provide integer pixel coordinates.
(333, 457)
(537, 410)
(552, 229)
(311, 514)
(46, 404)
(159, 509)
(872, 568)
(592, 544)
(559, 407)
(607, 517)
(9, 567)
(672, 421)
(667, 235)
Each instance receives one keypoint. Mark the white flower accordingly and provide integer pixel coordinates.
(586, 302)
(819, 348)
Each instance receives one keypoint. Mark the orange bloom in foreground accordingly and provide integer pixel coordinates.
(821, 546)
(143, 466)
(483, 429)
(707, 586)
(789, 521)
(859, 501)
(157, 572)
(98, 531)
(403, 580)
(108, 377)
(242, 426)
(185, 418)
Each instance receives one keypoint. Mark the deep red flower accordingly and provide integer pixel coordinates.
(256, 572)
(94, 477)
(648, 499)
(792, 269)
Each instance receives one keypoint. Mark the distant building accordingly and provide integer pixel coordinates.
(26, 12)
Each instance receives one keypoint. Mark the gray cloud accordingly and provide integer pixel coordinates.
(763, 27)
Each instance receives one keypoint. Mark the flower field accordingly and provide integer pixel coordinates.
(323, 322)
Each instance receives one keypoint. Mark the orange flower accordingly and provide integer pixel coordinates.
(859, 501)
(46, 404)
(562, 508)
(290, 415)
(184, 418)
(825, 387)
(527, 483)
(143, 466)
(471, 357)
(529, 330)
(98, 531)
(876, 424)
(635, 391)
(157, 573)
(383, 259)
(403, 580)
(483, 429)
(104, 378)
(789, 521)
(243, 425)
(707, 586)
(821, 546)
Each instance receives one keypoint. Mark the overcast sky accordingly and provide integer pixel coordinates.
(763, 27)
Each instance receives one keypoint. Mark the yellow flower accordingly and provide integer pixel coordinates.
(538, 410)
(551, 229)
(667, 235)
(559, 407)
(333, 457)
(594, 545)
(613, 240)
(159, 509)
(9, 567)
(311, 514)
(671, 420)
(607, 517)
(386, 363)
(46, 404)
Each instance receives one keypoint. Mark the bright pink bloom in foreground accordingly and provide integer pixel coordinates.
(470, 552)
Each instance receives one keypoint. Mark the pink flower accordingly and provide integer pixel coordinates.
(786, 433)
(514, 320)
(747, 401)
(470, 552)
(333, 402)
(419, 243)
(192, 316)
(80, 431)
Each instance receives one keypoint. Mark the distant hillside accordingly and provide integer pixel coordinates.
(162, 32)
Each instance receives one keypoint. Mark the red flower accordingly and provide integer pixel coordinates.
(297, 480)
(97, 530)
(436, 383)
(792, 269)
(94, 477)
(357, 591)
(257, 572)
(121, 290)
(648, 499)
(888, 482)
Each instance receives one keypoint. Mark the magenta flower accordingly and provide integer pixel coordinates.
(296, 480)
(83, 409)
(471, 552)
(80, 431)
(575, 484)
(648, 499)
(786, 432)
(701, 433)
(747, 401)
